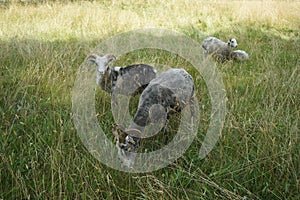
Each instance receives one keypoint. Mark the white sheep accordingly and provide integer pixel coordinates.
(135, 76)
(172, 90)
(239, 55)
(217, 48)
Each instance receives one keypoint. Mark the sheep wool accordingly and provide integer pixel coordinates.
(220, 50)
(172, 90)
(240, 55)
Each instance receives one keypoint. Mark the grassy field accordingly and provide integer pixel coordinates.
(43, 44)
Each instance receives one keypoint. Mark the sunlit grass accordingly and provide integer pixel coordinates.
(43, 44)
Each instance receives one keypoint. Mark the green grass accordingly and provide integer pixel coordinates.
(43, 44)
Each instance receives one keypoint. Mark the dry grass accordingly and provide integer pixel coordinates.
(43, 44)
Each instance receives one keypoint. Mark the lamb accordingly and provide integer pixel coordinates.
(172, 90)
(239, 55)
(135, 76)
(217, 48)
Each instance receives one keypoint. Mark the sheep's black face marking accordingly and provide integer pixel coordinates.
(127, 150)
(131, 144)
(232, 43)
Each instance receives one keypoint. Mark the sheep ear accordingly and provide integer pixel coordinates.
(92, 58)
(122, 136)
(115, 132)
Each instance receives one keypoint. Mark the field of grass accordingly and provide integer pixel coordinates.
(42, 46)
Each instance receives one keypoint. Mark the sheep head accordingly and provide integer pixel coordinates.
(232, 42)
(101, 61)
(127, 144)
(102, 65)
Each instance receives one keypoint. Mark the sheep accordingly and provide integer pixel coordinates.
(172, 90)
(217, 48)
(239, 55)
(136, 76)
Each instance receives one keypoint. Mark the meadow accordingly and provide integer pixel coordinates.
(42, 45)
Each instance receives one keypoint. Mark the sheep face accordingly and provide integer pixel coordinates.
(101, 63)
(127, 145)
(232, 42)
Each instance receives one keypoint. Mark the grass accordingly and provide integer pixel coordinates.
(43, 45)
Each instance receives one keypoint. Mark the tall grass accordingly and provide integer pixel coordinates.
(43, 44)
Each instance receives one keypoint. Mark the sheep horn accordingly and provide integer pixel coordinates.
(92, 58)
(115, 131)
(134, 132)
(110, 57)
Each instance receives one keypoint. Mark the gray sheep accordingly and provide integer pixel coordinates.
(220, 50)
(172, 90)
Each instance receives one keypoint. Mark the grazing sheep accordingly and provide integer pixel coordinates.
(171, 91)
(239, 55)
(217, 48)
(134, 76)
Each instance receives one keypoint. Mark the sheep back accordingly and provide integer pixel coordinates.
(215, 47)
(172, 89)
